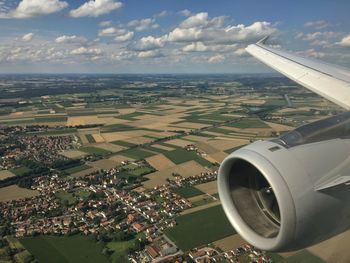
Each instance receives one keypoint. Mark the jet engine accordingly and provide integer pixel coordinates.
(291, 192)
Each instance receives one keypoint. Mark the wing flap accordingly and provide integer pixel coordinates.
(330, 82)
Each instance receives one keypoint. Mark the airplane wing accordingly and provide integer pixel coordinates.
(329, 81)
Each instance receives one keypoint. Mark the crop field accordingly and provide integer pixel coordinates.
(90, 138)
(187, 191)
(249, 123)
(6, 174)
(200, 228)
(14, 192)
(138, 154)
(104, 164)
(303, 256)
(73, 249)
(73, 154)
(209, 188)
(159, 162)
(94, 150)
(180, 156)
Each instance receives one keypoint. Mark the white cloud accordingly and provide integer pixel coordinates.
(319, 38)
(216, 59)
(27, 37)
(70, 39)
(150, 54)
(95, 8)
(86, 51)
(126, 37)
(162, 14)
(149, 43)
(195, 47)
(311, 53)
(185, 12)
(105, 23)
(143, 24)
(320, 24)
(344, 42)
(241, 52)
(197, 20)
(111, 31)
(33, 8)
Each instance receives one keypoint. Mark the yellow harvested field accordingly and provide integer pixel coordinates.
(230, 242)
(160, 162)
(335, 250)
(104, 164)
(120, 158)
(162, 147)
(73, 154)
(223, 145)
(179, 142)
(191, 125)
(109, 147)
(279, 127)
(5, 174)
(217, 157)
(186, 169)
(86, 120)
(114, 136)
(13, 192)
(206, 147)
(85, 172)
(89, 131)
(209, 188)
(126, 111)
(83, 139)
(196, 138)
(98, 138)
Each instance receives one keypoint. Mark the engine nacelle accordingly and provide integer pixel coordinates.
(290, 192)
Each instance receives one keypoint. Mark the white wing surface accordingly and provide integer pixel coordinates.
(329, 81)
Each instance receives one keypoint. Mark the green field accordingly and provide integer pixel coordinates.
(246, 123)
(187, 191)
(73, 249)
(141, 171)
(90, 138)
(181, 155)
(51, 119)
(94, 150)
(19, 171)
(76, 169)
(137, 154)
(123, 143)
(64, 196)
(200, 228)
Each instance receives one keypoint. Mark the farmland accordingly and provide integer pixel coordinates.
(64, 249)
(189, 233)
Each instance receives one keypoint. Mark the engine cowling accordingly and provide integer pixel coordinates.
(292, 192)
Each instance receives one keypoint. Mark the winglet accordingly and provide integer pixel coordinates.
(262, 41)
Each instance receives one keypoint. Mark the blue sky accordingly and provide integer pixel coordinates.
(163, 36)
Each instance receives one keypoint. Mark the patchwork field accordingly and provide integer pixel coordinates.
(104, 164)
(209, 188)
(186, 169)
(14, 192)
(73, 154)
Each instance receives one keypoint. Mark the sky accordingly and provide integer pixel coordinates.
(166, 36)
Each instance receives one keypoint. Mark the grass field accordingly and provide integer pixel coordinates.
(180, 156)
(137, 154)
(64, 196)
(77, 249)
(187, 191)
(20, 170)
(303, 256)
(94, 150)
(200, 228)
(123, 143)
(76, 169)
(51, 119)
